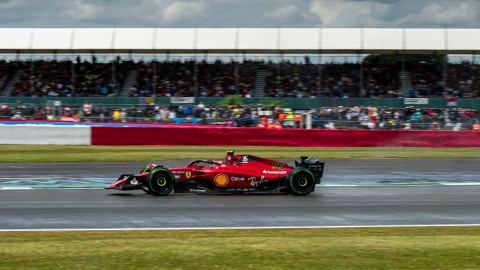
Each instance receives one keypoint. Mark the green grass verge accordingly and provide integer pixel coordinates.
(58, 153)
(350, 248)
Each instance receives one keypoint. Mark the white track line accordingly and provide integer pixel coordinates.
(242, 228)
(461, 184)
(22, 188)
(321, 186)
(15, 188)
(402, 185)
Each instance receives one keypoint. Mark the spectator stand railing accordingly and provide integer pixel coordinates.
(319, 124)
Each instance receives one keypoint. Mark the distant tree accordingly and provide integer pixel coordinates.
(230, 100)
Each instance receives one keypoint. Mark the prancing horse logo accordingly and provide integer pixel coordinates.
(188, 174)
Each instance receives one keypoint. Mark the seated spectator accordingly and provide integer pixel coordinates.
(220, 79)
(56, 79)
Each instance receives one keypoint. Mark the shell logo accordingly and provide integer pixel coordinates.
(221, 180)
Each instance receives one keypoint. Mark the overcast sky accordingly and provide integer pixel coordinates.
(240, 13)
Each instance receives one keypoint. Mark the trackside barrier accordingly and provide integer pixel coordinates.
(282, 137)
(101, 135)
(61, 135)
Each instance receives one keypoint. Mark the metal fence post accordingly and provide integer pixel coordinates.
(445, 72)
(319, 75)
(237, 75)
(154, 74)
(195, 78)
(362, 89)
(32, 78)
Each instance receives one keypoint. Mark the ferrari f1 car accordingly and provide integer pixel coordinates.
(239, 174)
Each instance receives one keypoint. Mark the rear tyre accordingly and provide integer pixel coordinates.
(301, 182)
(160, 182)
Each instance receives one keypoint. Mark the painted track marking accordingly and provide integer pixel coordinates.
(241, 228)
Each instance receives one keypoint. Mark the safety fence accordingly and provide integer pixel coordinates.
(427, 124)
(462, 124)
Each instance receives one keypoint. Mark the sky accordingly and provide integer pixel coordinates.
(240, 13)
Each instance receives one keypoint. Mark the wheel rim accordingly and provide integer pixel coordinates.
(302, 182)
(161, 181)
(161, 184)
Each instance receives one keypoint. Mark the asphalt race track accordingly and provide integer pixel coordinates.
(353, 193)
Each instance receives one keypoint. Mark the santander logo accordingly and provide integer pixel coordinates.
(275, 172)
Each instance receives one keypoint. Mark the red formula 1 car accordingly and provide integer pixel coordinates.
(240, 174)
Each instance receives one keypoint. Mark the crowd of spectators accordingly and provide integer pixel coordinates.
(344, 80)
(219, 79)
(463, 80)
(6, 70)
(391, 118)
(337, 81)
(381, 81)
(67, 79)
(295, 80)
(260, 115)
(174, 78)
(242, 115)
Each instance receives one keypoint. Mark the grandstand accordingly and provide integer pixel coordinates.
(273, 77)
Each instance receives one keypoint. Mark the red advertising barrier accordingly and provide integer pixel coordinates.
(282, 137)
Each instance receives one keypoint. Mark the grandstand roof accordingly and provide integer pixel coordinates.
(239, 40)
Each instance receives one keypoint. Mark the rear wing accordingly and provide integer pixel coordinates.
(313, 164)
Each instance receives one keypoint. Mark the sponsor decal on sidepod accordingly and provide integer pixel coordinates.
(221, 180)
(254, 182)
(275, 172)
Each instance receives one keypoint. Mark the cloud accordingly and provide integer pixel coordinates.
(240, 13)
(406, 13)
(439, 14)
(281, 13)
(183, 13)
(85, 10)
(287, 15)
(344, 13)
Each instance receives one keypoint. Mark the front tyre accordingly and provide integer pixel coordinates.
(160, 182)
(301, 182)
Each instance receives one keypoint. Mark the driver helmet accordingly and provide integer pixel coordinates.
(231, 156)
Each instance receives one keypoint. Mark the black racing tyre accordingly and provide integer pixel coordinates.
(144, 185)
(301, 182)
(160, 182)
